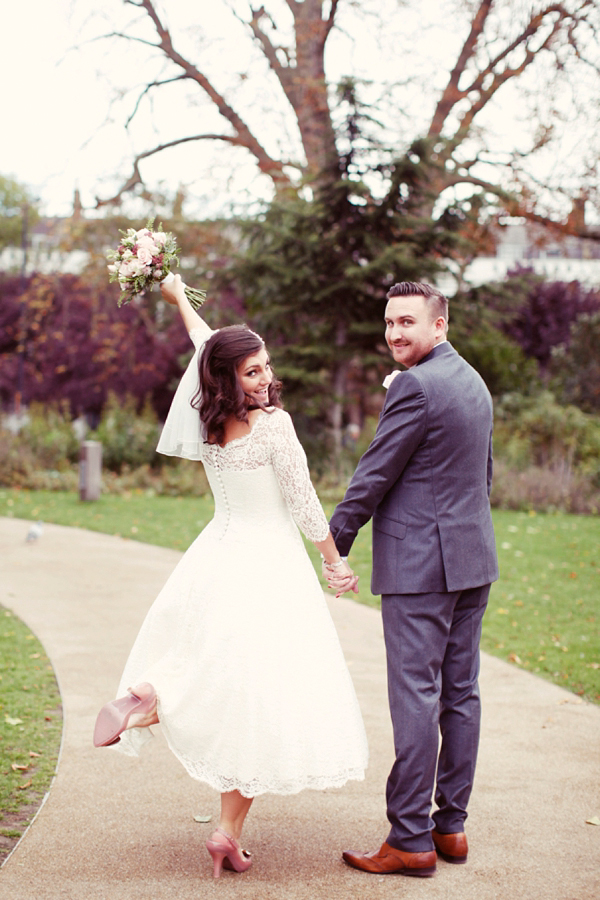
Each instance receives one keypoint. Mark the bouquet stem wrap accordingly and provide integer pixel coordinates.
(195, 296)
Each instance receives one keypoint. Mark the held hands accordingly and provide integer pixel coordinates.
(340, 577)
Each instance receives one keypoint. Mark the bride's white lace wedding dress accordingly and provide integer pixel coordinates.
(253, 690)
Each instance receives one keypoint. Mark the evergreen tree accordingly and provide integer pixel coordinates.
(314, 274)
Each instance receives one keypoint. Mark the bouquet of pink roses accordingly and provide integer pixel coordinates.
(143, 260)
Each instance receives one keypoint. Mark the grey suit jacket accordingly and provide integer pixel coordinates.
(425, 481)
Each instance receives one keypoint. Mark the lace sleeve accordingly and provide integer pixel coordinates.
(289, 461)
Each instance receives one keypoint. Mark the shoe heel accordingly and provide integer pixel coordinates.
(218, 854)
(114, 717)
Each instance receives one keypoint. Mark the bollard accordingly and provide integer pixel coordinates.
(90, 470)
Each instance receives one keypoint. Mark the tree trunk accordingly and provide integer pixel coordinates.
(339, 383)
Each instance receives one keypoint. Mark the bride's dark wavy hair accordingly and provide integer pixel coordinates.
(220, 394)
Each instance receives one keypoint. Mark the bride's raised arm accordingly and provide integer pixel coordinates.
(174, 293)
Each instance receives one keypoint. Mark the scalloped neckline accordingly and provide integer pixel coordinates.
(243, 437)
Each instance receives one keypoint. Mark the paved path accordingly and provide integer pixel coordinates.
(115, 828)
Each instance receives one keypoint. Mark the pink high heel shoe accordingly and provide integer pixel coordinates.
(114, 717)
(227, 853)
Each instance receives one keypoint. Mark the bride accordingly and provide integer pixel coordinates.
(238, 658)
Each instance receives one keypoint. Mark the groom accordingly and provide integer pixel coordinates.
(425, 482)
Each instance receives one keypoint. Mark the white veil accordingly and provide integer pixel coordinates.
(183, 433)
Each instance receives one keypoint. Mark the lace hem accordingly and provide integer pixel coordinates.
(134, 739)
(283, 788)
(257, 786)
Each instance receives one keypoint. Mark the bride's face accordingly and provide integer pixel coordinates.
(255, 376)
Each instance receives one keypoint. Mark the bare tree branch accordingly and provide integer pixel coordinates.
(282, 72)
(125, 37)
(517, 206)
(246, 138)
(147, 89)
(136, 178)
(451, 93)
(331, 18)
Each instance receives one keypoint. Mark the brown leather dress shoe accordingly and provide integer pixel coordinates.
(389, 861)
(451, 847)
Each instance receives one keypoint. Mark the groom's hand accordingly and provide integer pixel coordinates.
(342, 586)
(340, 579)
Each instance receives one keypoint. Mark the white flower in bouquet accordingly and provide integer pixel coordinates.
(142, 260)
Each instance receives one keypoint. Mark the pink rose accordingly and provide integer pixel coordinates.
(159, 238)
(130, 269)
(144, 256)
(146, 243)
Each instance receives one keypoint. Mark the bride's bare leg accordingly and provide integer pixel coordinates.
(143, 720)
(234, 809)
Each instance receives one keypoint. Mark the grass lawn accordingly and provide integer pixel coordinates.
(30, 727)
(544, 612)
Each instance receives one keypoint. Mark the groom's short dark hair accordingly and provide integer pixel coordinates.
(436, 301)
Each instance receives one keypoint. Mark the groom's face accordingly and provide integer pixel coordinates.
(410, 331)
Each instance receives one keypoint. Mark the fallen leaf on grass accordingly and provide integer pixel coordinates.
(33, 753)
(512, 657)
(17, 768)
(202, 818)
(10, 721)
(593, 821)
(23, 787)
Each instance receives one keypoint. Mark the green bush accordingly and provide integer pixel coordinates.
(576, 368)
(476, 320)
(50, 437)
(180, 478)
(16, 460)
(538, 431)
(128, 438)
(498, 359)
(543, 490)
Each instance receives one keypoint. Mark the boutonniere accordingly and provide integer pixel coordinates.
(389, 378)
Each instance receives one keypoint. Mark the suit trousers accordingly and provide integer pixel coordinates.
(432, 646)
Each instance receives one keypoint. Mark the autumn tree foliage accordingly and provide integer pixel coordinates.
(545, 318)
(63, 340)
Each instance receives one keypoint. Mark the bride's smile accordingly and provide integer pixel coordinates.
(255, 376)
